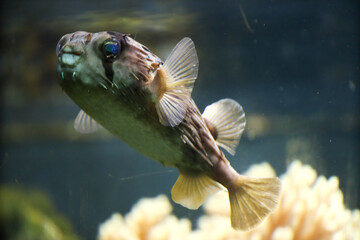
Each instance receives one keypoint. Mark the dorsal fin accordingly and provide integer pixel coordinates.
(85, 124)
(174, 82)
(191, 190)
(226, 121)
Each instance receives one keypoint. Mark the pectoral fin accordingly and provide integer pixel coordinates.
(85, 124)
(191, 190)
(226, 120)
(174, 82)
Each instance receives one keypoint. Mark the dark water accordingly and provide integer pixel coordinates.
(295, 67)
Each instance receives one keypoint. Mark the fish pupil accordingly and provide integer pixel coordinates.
(111, 49)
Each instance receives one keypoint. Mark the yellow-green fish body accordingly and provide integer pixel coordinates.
(120, 85)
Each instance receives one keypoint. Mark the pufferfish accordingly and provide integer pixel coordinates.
(120, 85)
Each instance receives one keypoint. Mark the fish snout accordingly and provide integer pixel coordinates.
(70, 55)
(70, 48)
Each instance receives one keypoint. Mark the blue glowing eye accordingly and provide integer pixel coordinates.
(111, 49)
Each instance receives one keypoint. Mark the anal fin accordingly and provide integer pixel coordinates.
(191, 190)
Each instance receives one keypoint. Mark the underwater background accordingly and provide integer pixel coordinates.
(292, 65)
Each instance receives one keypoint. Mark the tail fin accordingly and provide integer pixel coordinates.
(251, 200)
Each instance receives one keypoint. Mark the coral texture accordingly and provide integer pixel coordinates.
(311, 207)
(149, 219)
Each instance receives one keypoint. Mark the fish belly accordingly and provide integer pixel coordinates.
(128, 121)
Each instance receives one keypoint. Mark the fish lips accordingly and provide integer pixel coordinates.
(69, 56)
(69, 59)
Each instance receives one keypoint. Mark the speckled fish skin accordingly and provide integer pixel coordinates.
(122, 103)
(122, 86)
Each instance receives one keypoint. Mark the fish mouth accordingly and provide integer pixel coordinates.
(69, 57)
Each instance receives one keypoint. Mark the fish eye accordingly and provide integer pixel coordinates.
(111, 49)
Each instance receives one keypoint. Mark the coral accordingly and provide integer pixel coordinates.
(148, 219)
(310, 207)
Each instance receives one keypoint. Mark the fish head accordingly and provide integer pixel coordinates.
(104, 59)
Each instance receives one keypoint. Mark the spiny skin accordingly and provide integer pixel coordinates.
(121, 84)
(124, 106)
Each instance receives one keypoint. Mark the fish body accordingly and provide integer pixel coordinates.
(122, 86)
